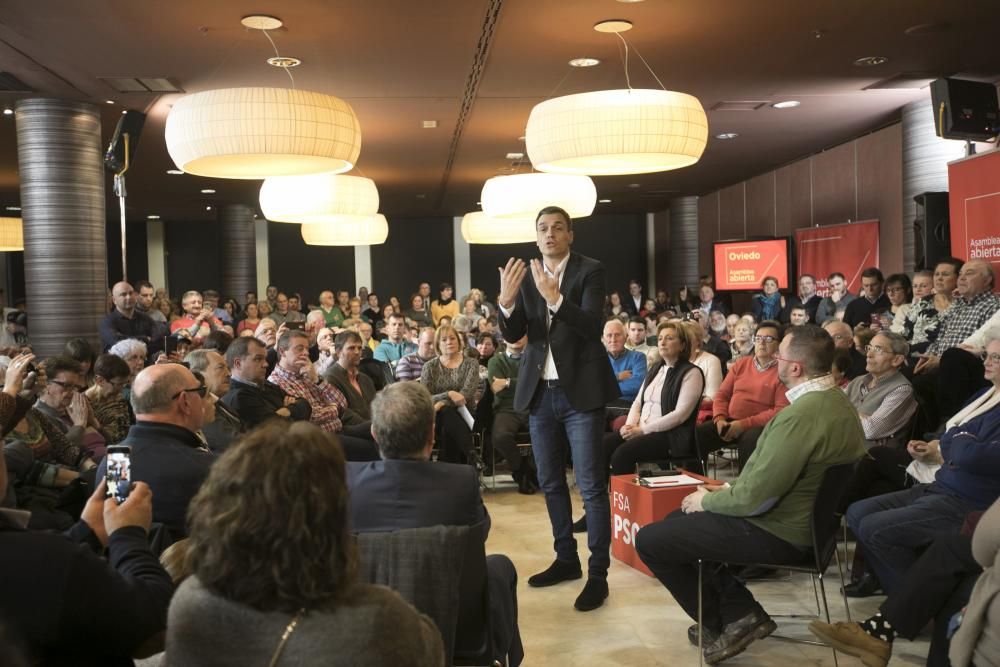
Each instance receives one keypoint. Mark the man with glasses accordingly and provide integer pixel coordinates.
(749, 396)
(843, 339)
(167, 453)
(872, 301)
(64, 404)
(883, 396)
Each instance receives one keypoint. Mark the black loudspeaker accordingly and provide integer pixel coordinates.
(965, 109)
(931, 230)
(130, 123)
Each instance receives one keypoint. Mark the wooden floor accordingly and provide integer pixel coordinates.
(640, 624)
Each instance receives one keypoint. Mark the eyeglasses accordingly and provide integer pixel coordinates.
(201, 390)
(68, 385)
(764, 339)
(877, 349)
(991, 358)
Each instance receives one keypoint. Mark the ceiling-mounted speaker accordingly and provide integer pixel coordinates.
(130, 123)
(966, 110)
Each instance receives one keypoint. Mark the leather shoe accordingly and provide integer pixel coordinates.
(755, 572)
(864, 587)
(558, 572)
(736, 636)
(580, 525)
(707, 639)
(524, 485)
(593, 595)
(852, 640)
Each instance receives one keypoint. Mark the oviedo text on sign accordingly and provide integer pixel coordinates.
(742, 265)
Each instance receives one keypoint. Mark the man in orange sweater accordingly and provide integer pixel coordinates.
(747, 399)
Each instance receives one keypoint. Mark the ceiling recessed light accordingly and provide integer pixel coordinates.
(208, 191)
(429, 124)
(152, 217)
(727, 135)
(515, 156)
(787, 104)
(584, 62)
(613, 25)
(13, 208)
(871, 61)
(261, 22)
(208, 208)
(422, 196)
(8, 112)
(603, 201)
(283, 61)
(124, 111)
(175, 172)
(109, 101)
(634, 185)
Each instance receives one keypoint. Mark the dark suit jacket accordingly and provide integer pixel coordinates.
(575, 335)
(255, 405)
(629, 304)
(359, 403)
(397, 494)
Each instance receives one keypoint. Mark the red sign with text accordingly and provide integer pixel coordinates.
(849, 249)
(742, 265)
(974, 200)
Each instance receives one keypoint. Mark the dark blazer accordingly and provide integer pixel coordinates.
(173, 461)
(359, 403)
(629, 304)
(227, 427)
(255, 405)
(397, 494)
(575, 335)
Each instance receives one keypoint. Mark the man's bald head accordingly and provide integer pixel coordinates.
(843, 336)
(124, 298)
(166, 393)
(975, 278)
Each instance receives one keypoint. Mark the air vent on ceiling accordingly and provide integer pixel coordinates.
(739, 105)
(11, 84)
(904, 81)
(141, 84)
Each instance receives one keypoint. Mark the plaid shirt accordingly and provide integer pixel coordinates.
(962, 319)
(326, 400)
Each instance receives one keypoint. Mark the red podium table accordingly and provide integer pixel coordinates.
(633, 506)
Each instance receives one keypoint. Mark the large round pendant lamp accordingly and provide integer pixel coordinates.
(478, 227)
(261, 132)
(607, 132)
(524, 195)
(348, 230)
(11, 235)
(316, 198)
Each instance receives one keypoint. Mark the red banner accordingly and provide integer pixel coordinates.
(849, 249)
(742, 265)
(974, 200)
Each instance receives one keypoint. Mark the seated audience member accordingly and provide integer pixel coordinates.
(395, 346)
(636, 340)
(843, 340)
(628, 366)
(62, 402)
(614, 306)
(798, 315)
(935, 588)
(633, 303)
(768, 304)
(283, 312)
(923, 320)
(717, 326)
(197, 321)
(368, 342)
(661, 421)
(410, 366)
(167, 453)
(899, 291)
(324, 346)
(354, 315)
(503, 368)
(872, 301)
(895, 528)
(709, 364)
(144, 298)
(808, 298)
(55, 588)
(445, 305)
(747, 399)
(217, 340)
(290, 595)
(923, 287)
(883, 396)
(863, 335)
(947, 375)
(453, 379)
(80, 350)
(251, 396)
(371, 311)
(134, 352)
(406, 490)
(267, 333)
(417, 314)
(126, 321)
(332, 315)
(711, 344)
(840, 368)
(765, 515)
(227, 425)
(107, 400)
(210, 302)
(296, 377)
(707, 302)
(742, 344)
(833, 306)
(250, 321)
(357, 388)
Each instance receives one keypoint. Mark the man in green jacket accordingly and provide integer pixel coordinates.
(764, 516)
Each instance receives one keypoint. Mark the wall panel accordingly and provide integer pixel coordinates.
(834, 191)
(760, 205)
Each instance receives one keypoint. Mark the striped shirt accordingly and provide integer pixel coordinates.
(326, 400)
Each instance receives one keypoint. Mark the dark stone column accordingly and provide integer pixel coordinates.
(238, 251)
(62, 200)
(683, 254)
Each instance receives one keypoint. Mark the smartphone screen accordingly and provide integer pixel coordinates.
(169, 344)
(295, 325)
(119, 472)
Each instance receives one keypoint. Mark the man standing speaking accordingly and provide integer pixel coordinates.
(564, 382)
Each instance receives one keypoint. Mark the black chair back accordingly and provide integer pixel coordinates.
(473, 638)
(825, 520)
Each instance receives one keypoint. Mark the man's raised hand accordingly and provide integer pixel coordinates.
(511, 276)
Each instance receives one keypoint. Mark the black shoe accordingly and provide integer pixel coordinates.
(524, 485)
(864, 587)
(580, 525)
(707, 639)
(736, 636)
(558, 572)
(755, 572)
(594, 593)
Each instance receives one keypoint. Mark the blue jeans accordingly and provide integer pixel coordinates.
(554, 424)
(896, 528)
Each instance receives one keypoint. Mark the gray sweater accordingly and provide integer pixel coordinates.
(371, 628)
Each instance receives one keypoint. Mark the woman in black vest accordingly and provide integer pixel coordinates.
(661, 423)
